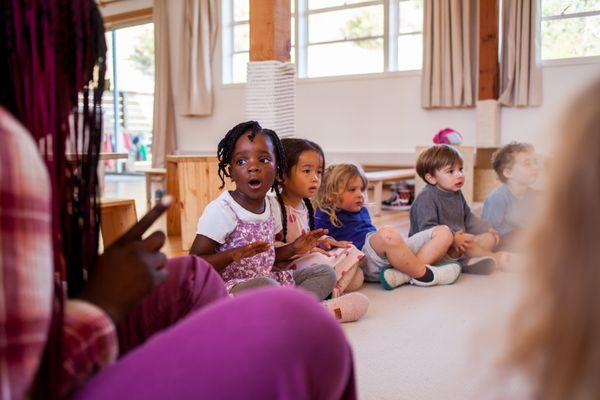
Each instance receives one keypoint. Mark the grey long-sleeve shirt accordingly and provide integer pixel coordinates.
(434, 207)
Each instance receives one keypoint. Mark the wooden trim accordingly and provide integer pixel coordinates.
(270, 30)
(488, 50)
(104, 3)
(128, 18)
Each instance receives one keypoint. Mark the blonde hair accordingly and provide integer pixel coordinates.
(334, 183)
(558, 330)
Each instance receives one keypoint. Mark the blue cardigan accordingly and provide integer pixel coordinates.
(354, 225)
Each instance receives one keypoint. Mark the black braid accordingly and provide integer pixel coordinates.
(293, 148)
(311, 213)
(227, 144)
(283, 215)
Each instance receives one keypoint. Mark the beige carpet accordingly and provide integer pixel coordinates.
(433, 343)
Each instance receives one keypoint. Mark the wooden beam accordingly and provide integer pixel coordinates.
(128, 18)
(488, 50)
(270, 30)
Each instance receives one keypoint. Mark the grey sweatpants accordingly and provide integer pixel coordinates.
(317, 279)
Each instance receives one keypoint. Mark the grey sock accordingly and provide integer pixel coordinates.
(484, 266)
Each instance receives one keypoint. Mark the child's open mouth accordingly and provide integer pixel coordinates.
(255, 184)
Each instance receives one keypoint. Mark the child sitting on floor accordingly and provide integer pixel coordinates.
(389, 260)
(441, 202)
(305, 163)
(236, 231)
(507, 207)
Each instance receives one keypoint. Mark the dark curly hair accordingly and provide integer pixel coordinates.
(293, 148)
(227, 144)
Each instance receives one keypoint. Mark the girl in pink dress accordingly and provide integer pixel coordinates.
(305, 164)
(237, 231)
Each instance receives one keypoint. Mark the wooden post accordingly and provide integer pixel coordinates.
(488, 50)
(270, 30)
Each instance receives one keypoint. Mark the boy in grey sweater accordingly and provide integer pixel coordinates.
(441, 202)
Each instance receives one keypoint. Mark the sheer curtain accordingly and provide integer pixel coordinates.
(185, 37)
(449, 53)
(520, 70)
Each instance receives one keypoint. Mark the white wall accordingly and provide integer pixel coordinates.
(538, 125)
(378, 118)
(382, 113)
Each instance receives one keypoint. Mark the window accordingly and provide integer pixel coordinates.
(410, 35)
(570, 28)
(236, 39)
(335, 37)
(128, 102)
(344, 38)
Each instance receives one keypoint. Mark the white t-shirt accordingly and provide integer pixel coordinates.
(218, 221)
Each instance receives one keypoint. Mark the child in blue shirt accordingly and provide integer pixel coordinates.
(507, 208)
(389, 259)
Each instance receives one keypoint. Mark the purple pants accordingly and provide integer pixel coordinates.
(188, 339)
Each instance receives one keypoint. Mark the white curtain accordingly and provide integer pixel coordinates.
(520, 70)
(185, 33)
(449, 53)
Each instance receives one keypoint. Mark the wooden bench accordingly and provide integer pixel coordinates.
(116, 217)
(152, 174)
(376, 179)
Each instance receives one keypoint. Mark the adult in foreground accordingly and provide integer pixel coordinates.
(128, 322)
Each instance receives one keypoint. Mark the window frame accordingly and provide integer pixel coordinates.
(567, 60)
(142, 18)
(391, 33)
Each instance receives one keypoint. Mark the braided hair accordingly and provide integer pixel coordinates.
(52, 67)
(227, 145)
(293, 148)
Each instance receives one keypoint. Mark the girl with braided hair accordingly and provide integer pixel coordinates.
(305, 163)
(237, 231)
(127, 323)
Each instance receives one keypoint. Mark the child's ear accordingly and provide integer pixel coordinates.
(430, 179)
(507, 172)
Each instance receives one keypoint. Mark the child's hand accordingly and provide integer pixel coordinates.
(249, 250)
(308, 241)
(462, 241)
(327, 243)
(283, 266)
(496, 235)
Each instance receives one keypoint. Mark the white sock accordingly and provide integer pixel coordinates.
(395, 278)
(442, 275)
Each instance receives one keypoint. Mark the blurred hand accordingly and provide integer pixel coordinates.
(462, 241)
(129, 269)
(496, 235)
